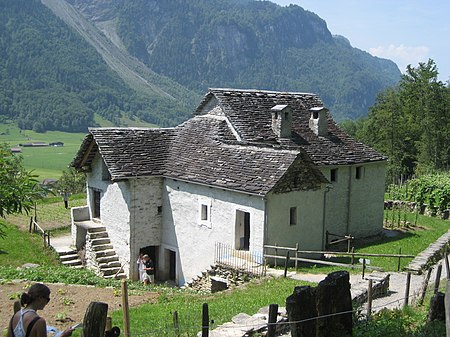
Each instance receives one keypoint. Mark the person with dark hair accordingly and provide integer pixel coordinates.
(26, 322)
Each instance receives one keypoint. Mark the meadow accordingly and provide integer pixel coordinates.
(45, 162)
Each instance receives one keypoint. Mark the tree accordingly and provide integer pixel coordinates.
(72, 181)
(410, 122)
(18, 187)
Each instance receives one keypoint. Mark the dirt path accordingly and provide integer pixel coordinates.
(68, 302)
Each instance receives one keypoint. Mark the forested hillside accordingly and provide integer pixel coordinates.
(52, 79)
(245, 44)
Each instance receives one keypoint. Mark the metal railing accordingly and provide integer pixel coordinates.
(244, 261)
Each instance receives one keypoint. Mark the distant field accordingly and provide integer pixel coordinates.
(49, 162)
(46, 162)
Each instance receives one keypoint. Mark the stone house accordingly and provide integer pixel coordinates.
(250, 168)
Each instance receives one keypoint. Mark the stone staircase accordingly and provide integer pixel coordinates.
(70, 258)
(100, 254)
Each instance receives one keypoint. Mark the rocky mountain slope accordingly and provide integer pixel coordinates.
(243, 44)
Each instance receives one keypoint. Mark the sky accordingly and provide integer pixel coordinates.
(404, 31)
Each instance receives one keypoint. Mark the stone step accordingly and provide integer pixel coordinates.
(100, 241)
(68, 257)
(98, 235)
(101, 247)
(72, 263)
(104, 253)
(67, 252)
(96, 229)
(108, 259)
(112, 264)
(109, 271)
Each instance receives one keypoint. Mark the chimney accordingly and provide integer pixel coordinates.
(282, 121)
(318, 121)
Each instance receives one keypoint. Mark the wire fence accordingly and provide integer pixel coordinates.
(185, 326)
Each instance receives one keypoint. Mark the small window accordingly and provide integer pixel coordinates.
(333, 175)
(293, 216)
(204, 210)
(359, 172)
(159, 209)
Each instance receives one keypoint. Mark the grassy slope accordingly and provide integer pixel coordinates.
(20, 247)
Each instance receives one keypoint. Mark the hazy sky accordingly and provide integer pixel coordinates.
(404, 31)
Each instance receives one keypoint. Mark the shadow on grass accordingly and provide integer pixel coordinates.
(3, 252)
(388, 235)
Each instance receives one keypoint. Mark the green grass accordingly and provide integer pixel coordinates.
(49, 162)
(45, 162)
(51, 213)
(18, 248)
(412, 240)
(156, 319)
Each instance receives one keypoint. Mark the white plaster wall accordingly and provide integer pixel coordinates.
(355, 206)
(114, 210)
(194, 240)
(308, 232)
(337, 200)
(367, 203)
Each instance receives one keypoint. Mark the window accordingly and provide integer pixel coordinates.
(159, 209)
(333, 175)
(293, 216)
(204, 212)
(359, 172)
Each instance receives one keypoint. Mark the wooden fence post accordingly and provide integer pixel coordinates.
(176, 324)
(447, 267)
(353, 255)
(425, 286)
(95, 319)
(31, 224)
(438, 278)
(296, 257)
(286, 264)
(447, 309)
(399, 258)
(272, 321)
(108, 325)
(205, 320)
(369, 299)
(276, 255)
(364, 267)
(126, 313)
(408, 284)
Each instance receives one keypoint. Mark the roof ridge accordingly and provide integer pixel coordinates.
(263, 91)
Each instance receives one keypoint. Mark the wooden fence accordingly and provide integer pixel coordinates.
(245, 261)
(293, 253)
(35, 228)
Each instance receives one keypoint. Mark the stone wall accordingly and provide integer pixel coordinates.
(217, 278)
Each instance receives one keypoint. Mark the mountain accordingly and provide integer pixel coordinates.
(64, 64)
(244, 44)
(52, 78)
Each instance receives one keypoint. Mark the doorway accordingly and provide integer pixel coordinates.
(152, 252)
(96, 210)
(242, 230)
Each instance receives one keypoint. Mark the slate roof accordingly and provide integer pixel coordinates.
(249, 113)
(195, 151)
(205, 149)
